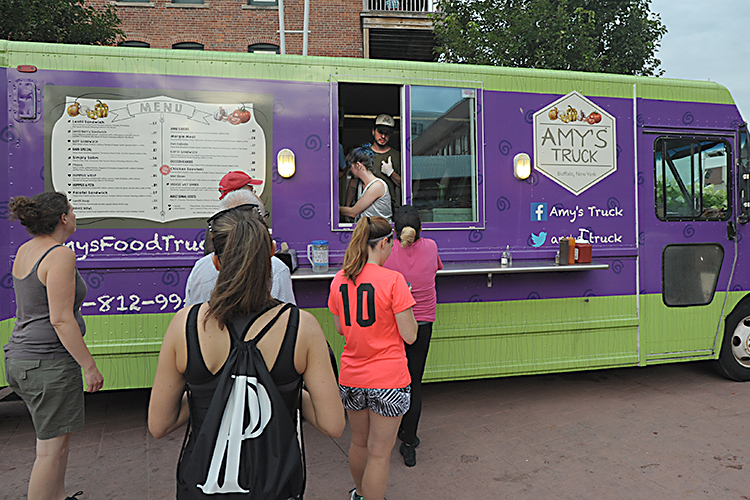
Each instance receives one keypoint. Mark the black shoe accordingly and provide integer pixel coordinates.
(409, 453)
(74, 496)
(401, 437)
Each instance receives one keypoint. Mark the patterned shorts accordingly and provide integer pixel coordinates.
(385, 402)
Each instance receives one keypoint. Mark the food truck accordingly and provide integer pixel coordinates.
(652, 173)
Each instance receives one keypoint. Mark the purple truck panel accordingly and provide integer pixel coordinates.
(140, 270)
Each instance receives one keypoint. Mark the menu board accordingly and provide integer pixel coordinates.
(156, 158)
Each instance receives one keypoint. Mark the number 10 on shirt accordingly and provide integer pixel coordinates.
(363, 290)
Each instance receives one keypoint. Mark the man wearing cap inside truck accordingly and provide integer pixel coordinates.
(387, 161)
(386, 164)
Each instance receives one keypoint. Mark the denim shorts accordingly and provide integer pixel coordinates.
(53, 392)
(385, 402)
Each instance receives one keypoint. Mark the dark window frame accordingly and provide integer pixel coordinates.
(743, 175)
(188, 46)
(263, 48)
(665, 165)
(134, 43)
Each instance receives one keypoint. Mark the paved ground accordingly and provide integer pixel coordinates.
(663, 432)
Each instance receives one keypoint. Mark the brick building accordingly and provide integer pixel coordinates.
(382, 29)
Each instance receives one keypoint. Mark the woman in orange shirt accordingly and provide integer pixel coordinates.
(372, 308)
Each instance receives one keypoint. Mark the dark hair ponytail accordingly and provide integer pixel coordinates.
(408, 225)
(369, 231)
(41, 213)
(243, 246)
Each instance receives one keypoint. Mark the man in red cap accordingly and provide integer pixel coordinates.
(200, 284)
(236, 180)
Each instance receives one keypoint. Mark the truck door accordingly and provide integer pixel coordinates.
(686, 241)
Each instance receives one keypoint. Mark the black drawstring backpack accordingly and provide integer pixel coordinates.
(247, 447)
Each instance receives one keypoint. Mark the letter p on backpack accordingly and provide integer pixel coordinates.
(247, 446)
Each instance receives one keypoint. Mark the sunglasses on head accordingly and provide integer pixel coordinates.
(246, 206)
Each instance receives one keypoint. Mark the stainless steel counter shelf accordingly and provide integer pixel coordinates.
(464, 268)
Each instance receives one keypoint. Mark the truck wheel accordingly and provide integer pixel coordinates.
(734, 358)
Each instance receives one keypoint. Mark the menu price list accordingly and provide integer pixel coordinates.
(159, 159)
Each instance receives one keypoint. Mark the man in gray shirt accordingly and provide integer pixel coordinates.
(202, 279)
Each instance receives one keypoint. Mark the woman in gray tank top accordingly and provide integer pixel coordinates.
(46, 351)
(374, 200)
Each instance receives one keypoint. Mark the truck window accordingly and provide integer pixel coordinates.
(692, 175)
(359, 104)
(690, 273)
(744, 177)
(443, 154)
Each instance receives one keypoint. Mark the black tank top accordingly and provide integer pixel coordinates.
(202, 383)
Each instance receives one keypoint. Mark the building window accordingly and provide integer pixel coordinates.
(188, 1)
(263, 3)
(691, 178)
(188, 46)
(134, 43)
(263, 48)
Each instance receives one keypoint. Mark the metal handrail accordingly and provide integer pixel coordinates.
(399, 5)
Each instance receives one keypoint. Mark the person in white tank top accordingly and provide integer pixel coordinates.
(374, 199)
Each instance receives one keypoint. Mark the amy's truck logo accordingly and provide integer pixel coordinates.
(574, 143)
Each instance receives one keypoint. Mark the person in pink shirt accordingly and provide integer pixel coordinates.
(372, 309)
(418, 260)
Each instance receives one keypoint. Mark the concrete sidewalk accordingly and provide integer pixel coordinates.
(674, 431)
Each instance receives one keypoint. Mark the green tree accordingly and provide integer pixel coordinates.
(59, 21)
(605, 36)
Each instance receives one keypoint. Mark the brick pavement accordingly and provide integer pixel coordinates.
(637, 433)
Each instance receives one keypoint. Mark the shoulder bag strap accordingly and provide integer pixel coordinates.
(235, 337)
(191, 335)
(268, 325)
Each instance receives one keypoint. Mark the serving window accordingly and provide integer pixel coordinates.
(434, 146)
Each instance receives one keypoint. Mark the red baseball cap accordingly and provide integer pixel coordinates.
(234, 181)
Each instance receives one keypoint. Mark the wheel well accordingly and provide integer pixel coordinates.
(742, 309)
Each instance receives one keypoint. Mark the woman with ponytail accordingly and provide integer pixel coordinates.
(372, 309)
(197, 342)
(418, 260)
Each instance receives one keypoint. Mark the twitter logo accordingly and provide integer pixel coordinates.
(538, 240)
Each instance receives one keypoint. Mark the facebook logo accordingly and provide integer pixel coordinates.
(538, 212)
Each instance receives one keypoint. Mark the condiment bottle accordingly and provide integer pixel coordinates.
(506, 259)
(583, 251)
(571, 250)
(563, 260)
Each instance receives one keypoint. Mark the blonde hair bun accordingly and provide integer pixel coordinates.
(408, 235)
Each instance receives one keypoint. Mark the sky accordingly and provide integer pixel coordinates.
(708, 40)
